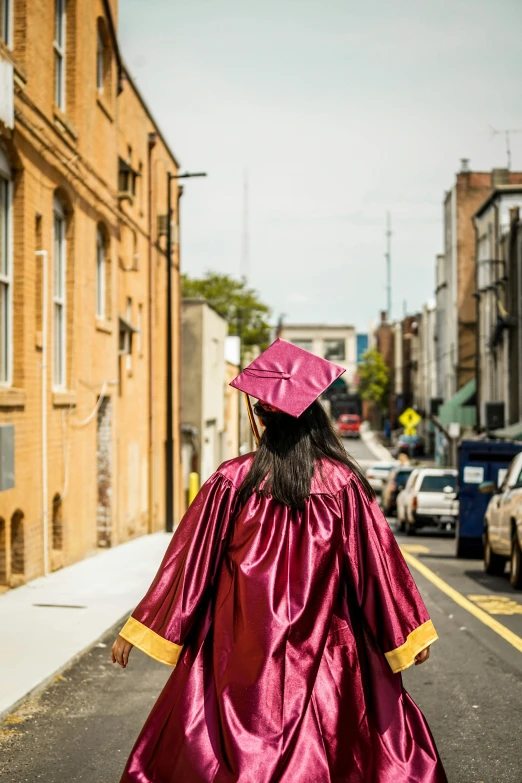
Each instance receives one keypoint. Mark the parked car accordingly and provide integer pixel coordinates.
(349, 425)
(395, 484)
(403, 498)
(412, 445)
(431, 499)
(503, 524)
(377, 475)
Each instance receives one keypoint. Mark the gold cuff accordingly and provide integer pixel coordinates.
(404, 656)
(150, 642)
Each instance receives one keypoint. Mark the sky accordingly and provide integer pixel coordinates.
(335, 112)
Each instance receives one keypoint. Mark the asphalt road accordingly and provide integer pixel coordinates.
(84, 725)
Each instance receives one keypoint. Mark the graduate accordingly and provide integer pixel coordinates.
(288, 612)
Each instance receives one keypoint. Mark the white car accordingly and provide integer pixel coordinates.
(503, 525)
(430, 499)
(377, 475)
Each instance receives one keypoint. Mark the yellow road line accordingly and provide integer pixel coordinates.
(459, 599)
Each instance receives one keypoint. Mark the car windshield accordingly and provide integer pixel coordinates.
(438, 483)
(409, 438)
(383, 468)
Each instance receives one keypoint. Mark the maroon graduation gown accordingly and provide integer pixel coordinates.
(288, 630)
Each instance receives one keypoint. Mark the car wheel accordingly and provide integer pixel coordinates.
(494, 565)
(515, 576)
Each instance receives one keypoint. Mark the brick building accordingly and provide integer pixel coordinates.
(83, 200)
(457, 318)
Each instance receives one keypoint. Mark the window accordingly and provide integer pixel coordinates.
(6, 271)
(100, 61)
(59, 325)
(438, 484)
(100, 274)
(59, 53)
(334, 350)
(126, 180)
(305, 344)
(6, 10)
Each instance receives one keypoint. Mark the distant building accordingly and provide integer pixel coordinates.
(203, 379)
(456, 316)
(498, 297)
(336, 343)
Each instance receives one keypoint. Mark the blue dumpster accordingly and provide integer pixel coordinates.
(479, 461)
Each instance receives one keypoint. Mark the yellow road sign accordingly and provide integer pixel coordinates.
(409, 420)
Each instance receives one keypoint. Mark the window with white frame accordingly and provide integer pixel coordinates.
(59, 53)
(6, 22)
(59, 295)
(100, 274)
(100, 61)
(6, 271)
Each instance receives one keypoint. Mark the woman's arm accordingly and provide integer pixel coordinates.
(384, 587)
(160, 623)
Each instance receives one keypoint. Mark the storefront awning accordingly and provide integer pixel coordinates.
(461, 407)
(512, 432)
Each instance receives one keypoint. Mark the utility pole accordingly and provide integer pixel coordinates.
(169, 435)
(244, 266)
(388, 266)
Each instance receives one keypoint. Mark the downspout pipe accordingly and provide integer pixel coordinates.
(477, 331)
(45, 481)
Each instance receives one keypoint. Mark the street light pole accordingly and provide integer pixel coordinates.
(169, 437)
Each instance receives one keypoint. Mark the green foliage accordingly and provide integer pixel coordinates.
(236, 302)
(374, 379)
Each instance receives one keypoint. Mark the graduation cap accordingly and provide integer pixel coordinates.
(287, 377)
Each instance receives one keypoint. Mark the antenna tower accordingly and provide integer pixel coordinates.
(388, 266)
(507, 136)
(245, 249)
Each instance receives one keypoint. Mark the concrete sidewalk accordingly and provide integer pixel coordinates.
(52, 620)
(372, 443)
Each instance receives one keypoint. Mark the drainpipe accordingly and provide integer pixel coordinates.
(477, 331)
(150, 499)
(45, 500)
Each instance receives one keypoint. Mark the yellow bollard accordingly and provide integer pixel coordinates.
(193, 486)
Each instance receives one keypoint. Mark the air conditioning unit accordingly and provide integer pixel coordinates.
(495, 415)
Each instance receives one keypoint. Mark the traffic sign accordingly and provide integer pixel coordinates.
(409, 420)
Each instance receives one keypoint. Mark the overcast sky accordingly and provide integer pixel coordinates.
(339, 111)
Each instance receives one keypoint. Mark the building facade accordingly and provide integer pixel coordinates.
(498, 297)
(456, 341)
(336, 343)
(83, 171)
(204, 376)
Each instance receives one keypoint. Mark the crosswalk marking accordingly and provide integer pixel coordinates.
(496, 604)
(465, 603)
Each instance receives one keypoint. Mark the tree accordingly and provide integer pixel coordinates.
(239, 305)
(374, 379)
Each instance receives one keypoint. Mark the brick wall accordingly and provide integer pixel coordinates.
(105, 467)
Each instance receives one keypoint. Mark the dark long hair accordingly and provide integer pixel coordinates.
(287, 454)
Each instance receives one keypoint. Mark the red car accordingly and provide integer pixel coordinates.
(349, 425)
